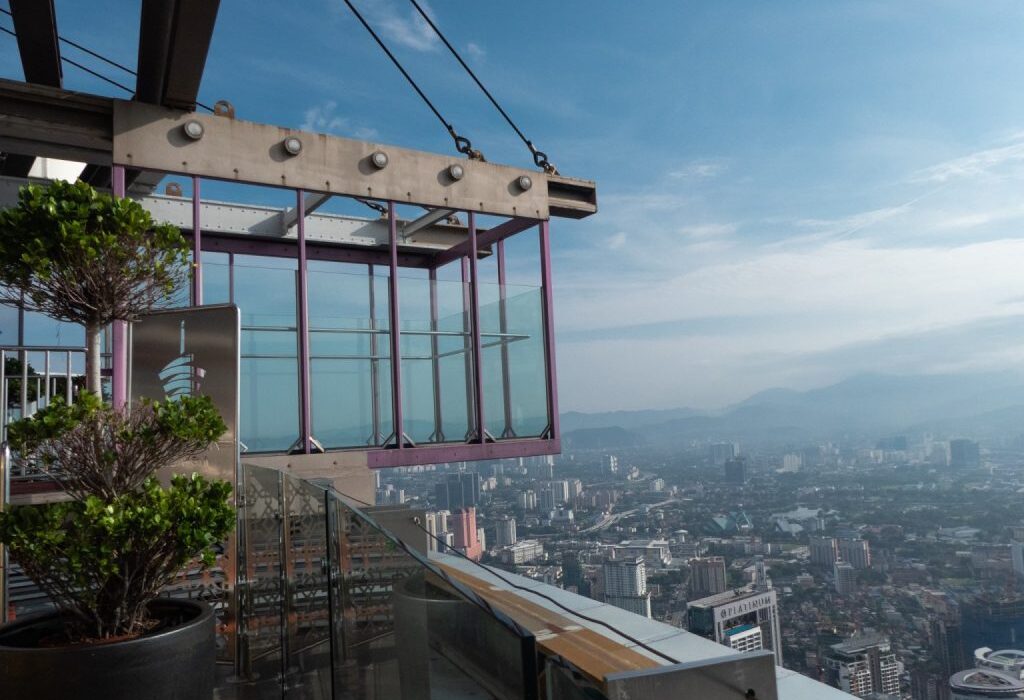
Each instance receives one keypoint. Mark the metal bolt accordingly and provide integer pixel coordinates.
(379, 159)
(525, 182)
(193, 129)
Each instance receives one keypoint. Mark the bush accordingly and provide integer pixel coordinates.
(92, 449)
(103, 561)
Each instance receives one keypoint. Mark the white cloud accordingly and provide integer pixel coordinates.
(979, 163)
(708, 230)
(406, 28)
(323, 119)
(698, 169)
(475, 51)
(616, 241)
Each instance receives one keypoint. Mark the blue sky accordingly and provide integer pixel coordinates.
(791, 192)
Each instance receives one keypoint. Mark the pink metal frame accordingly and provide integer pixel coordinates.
(479, 443)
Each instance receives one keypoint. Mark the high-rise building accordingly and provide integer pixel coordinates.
(992, 621)
(481, 538)
(625, 585)
(716, 616)
(505, 531)
(824, 551)
(845, 577)
(744, 638)
(707, 577)
(610, 464)
(573, 574)
(964, 454)
(465, 531)
(527, 499)
(863, 665)
(460, 490)
(736, 470)
(947, 646)
(722, 452)
(855, 552)
(430, 523)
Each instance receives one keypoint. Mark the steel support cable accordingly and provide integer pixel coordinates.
(462, 144)
(546, 597)
(540, 158)
(95, 54)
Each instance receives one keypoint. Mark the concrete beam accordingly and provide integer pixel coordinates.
(37, 120)
(43, 121)
(153, 138)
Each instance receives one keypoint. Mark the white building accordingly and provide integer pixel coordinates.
(505, 532)
(864, 665)
(715, 616)
(522, 552)
(625, 585)
(845, 578)
(745, 638)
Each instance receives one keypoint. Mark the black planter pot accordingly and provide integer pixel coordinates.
(176, 661)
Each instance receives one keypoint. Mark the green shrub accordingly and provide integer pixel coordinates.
(103, 561)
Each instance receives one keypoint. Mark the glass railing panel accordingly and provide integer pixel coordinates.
(307, 608)
(402, 630)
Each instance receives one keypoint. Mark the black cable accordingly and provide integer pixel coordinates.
(94, 54)
(539, 157)
(529, 590)
(462, 144)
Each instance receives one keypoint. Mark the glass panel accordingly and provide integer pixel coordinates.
(349, 365)
(403, 630)
(265, 292)
(332, 605)
(216, 278)
(515, 380)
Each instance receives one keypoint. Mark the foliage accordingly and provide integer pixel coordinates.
(78, 255)
(85, 257)
(95, 450)
(103, 561)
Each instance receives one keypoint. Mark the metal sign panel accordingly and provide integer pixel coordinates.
(190, 351)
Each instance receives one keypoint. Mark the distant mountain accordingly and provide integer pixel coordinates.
(869, 405)
(600, 439)
(575, 420)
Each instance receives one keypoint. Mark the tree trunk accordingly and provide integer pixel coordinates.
(93, 382)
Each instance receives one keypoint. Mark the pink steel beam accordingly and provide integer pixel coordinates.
(549, 330)
(119, 349)
(394, 320)
(218, 243)
(474, 313)
(197, 247)
(485, 239)
(304, 389)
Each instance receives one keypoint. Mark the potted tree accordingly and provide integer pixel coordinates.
(104, 556)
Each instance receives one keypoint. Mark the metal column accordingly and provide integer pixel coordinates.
(506, 386)
(375, 438)
(394, 320)
(553, 431)
(435, 359)
(197, 247)
(474, 313)
(304, 389)
(119, 346)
